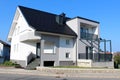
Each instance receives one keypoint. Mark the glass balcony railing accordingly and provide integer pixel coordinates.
(88, 36)
(97, 57)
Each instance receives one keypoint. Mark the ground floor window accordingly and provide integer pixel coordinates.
(67, 55)
(49, 47)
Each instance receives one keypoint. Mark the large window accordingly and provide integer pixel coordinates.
(49, 47)
(84, 30)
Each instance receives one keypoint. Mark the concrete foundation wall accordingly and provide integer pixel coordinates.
(103, 64)
(21, 62)
(84, 63)
(66, 63)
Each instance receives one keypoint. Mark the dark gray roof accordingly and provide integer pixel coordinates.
(87, 19)
(5, 43)
(45, 22)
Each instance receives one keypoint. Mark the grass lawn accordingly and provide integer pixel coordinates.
(80, 67)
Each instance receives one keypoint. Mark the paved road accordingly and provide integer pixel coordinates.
(6, 76)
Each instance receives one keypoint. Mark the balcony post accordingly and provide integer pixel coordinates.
(98, 50)
(105, 49)
(110, 46)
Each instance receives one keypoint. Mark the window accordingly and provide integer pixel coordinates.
(49, 47)
(84, 30)
(67, 42)
(67, 55)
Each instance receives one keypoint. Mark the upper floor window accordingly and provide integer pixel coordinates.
(67, 41)
(84, 30)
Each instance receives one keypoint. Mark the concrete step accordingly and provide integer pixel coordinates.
(33, 64)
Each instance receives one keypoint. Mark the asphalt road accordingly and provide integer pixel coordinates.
(6, 76)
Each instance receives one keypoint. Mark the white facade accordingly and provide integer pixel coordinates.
(23, 42)
(20, 48)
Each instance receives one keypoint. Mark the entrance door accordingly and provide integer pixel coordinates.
(89, 54)
(38, 50)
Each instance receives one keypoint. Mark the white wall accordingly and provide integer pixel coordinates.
(73, 24)
(20, 50)
(1, 49)
(64, 48)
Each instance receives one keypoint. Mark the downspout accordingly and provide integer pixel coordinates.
(76, 50)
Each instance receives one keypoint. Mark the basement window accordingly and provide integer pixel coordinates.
(48, 63)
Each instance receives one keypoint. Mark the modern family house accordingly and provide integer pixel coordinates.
(44, 39)
(4, 51)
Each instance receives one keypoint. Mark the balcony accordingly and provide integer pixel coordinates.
(29, 36)
(88, 36)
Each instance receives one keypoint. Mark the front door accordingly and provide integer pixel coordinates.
(38, 50)
(89, 54)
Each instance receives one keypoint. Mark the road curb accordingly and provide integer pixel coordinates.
(58, 75)
(76, 70)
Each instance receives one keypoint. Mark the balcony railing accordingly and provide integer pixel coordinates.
(97, 57)
(88, 36)
(29, 36)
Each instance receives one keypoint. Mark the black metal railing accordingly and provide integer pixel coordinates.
(88, 36)
(97, 57)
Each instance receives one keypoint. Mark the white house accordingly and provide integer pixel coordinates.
(53, 40)
(4, 51)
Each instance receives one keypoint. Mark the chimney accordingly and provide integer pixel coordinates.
(60, 19)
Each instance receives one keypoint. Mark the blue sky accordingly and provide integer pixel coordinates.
(107, 12)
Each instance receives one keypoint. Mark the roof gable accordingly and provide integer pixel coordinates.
(45, 22)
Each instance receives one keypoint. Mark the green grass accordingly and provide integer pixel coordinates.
(80, 67)
(8, 63)
(66, 67)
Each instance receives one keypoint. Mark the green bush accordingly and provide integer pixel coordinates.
(9, 63)
(117, 60)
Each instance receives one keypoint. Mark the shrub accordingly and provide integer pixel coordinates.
(117, 59)
(9, 63)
